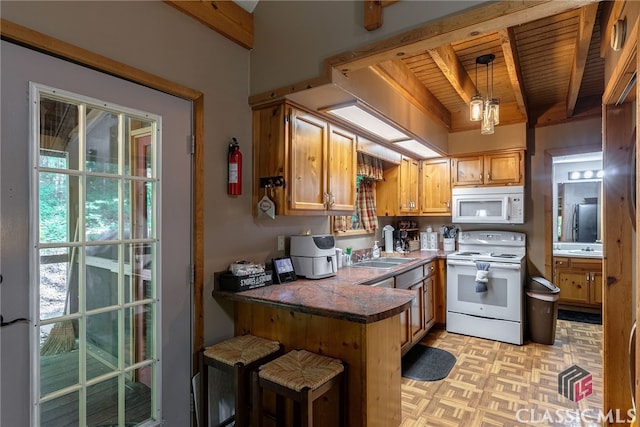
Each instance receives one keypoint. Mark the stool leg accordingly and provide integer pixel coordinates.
(204, 392)
(242, 418)
(280, 411)
(306, 408)
(342, 398)
(256, 401)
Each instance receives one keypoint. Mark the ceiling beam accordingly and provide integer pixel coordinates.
(583, 41)
(486, 18)
(447, 60)
(398, 75)
(373, 13)
(510, 54)
(224, 17)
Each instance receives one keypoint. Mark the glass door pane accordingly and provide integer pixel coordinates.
(96, 181)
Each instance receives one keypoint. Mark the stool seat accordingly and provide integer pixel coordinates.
(243, 354)
(300, 369)
(303, 377)
(243, 349)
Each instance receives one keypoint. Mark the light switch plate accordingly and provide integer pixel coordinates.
(281, 243)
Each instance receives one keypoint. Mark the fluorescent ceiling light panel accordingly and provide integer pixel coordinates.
(417, 148)
(368, 122)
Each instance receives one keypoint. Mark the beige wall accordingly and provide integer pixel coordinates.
(292, 38)
(505, 137)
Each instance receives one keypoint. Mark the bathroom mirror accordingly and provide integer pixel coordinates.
(577, 207)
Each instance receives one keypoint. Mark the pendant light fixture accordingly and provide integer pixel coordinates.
(485, 110)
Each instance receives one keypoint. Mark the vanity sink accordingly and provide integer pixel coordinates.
(578, 252)
(382, 263)
(586, 252)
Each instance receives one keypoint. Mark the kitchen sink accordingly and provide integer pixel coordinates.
(394, 260)
(382, 263)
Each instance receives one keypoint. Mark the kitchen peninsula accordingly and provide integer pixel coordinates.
(334, 316)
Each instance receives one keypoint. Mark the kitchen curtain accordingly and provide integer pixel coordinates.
(370, 169)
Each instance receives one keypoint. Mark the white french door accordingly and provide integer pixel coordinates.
(108, 301)
(95, 239)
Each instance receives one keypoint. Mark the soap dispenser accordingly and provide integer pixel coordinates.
(375, 252)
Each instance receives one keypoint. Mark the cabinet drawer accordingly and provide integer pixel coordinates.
(561, 261)
(589, 264)
(405, 280)
(430, 269)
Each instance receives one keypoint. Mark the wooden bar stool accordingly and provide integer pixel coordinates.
(243, 353)
(301, 376)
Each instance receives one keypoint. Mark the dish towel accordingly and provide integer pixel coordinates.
(482, 276)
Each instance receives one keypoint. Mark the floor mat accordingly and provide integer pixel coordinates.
(579, 316)
(425, 363)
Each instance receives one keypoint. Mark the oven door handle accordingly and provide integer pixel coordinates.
(492, 265)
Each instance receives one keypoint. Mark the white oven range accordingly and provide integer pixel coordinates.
(495, 261)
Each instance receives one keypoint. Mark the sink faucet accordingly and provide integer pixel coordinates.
(363, 257)
(588, 249)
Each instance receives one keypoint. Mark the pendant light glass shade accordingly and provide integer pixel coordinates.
(486, 127)
(487, 124)
(485, 110)
(494, 111)
(476, 106)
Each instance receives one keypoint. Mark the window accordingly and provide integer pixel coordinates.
(95, 286)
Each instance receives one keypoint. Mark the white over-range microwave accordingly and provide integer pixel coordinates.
(488, 205)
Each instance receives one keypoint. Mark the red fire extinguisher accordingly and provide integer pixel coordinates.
(235, 169)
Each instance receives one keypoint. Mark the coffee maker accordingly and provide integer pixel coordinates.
(314, 256)
(401, 240)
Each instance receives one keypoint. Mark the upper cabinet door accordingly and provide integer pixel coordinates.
(342, 164)
(488, 169)
(504, 168)
(308, 151)
(408, 185)
(467, 170)
(436, 187)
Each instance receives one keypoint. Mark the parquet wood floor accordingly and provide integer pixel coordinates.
(499, 384)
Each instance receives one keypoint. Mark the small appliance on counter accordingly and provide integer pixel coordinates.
(314, 256)
(429, 240)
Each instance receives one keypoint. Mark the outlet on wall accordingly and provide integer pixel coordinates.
(281, 243)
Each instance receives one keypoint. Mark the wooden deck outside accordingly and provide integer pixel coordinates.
(61, 370)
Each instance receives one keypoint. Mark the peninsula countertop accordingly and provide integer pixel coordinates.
(343, 296)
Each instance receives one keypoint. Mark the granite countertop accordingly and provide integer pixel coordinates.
(340, 296)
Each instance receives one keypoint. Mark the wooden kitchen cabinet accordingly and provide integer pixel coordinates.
(435, 185)
(579, 280)
(420, 317)
(316, 159)
(488, 169)
(430, 283)
(397, 193)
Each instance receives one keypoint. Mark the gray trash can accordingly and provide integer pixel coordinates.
(542, 310)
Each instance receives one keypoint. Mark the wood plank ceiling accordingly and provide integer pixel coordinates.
(546, 71)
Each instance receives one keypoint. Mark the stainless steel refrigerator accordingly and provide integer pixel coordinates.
(586, 223)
